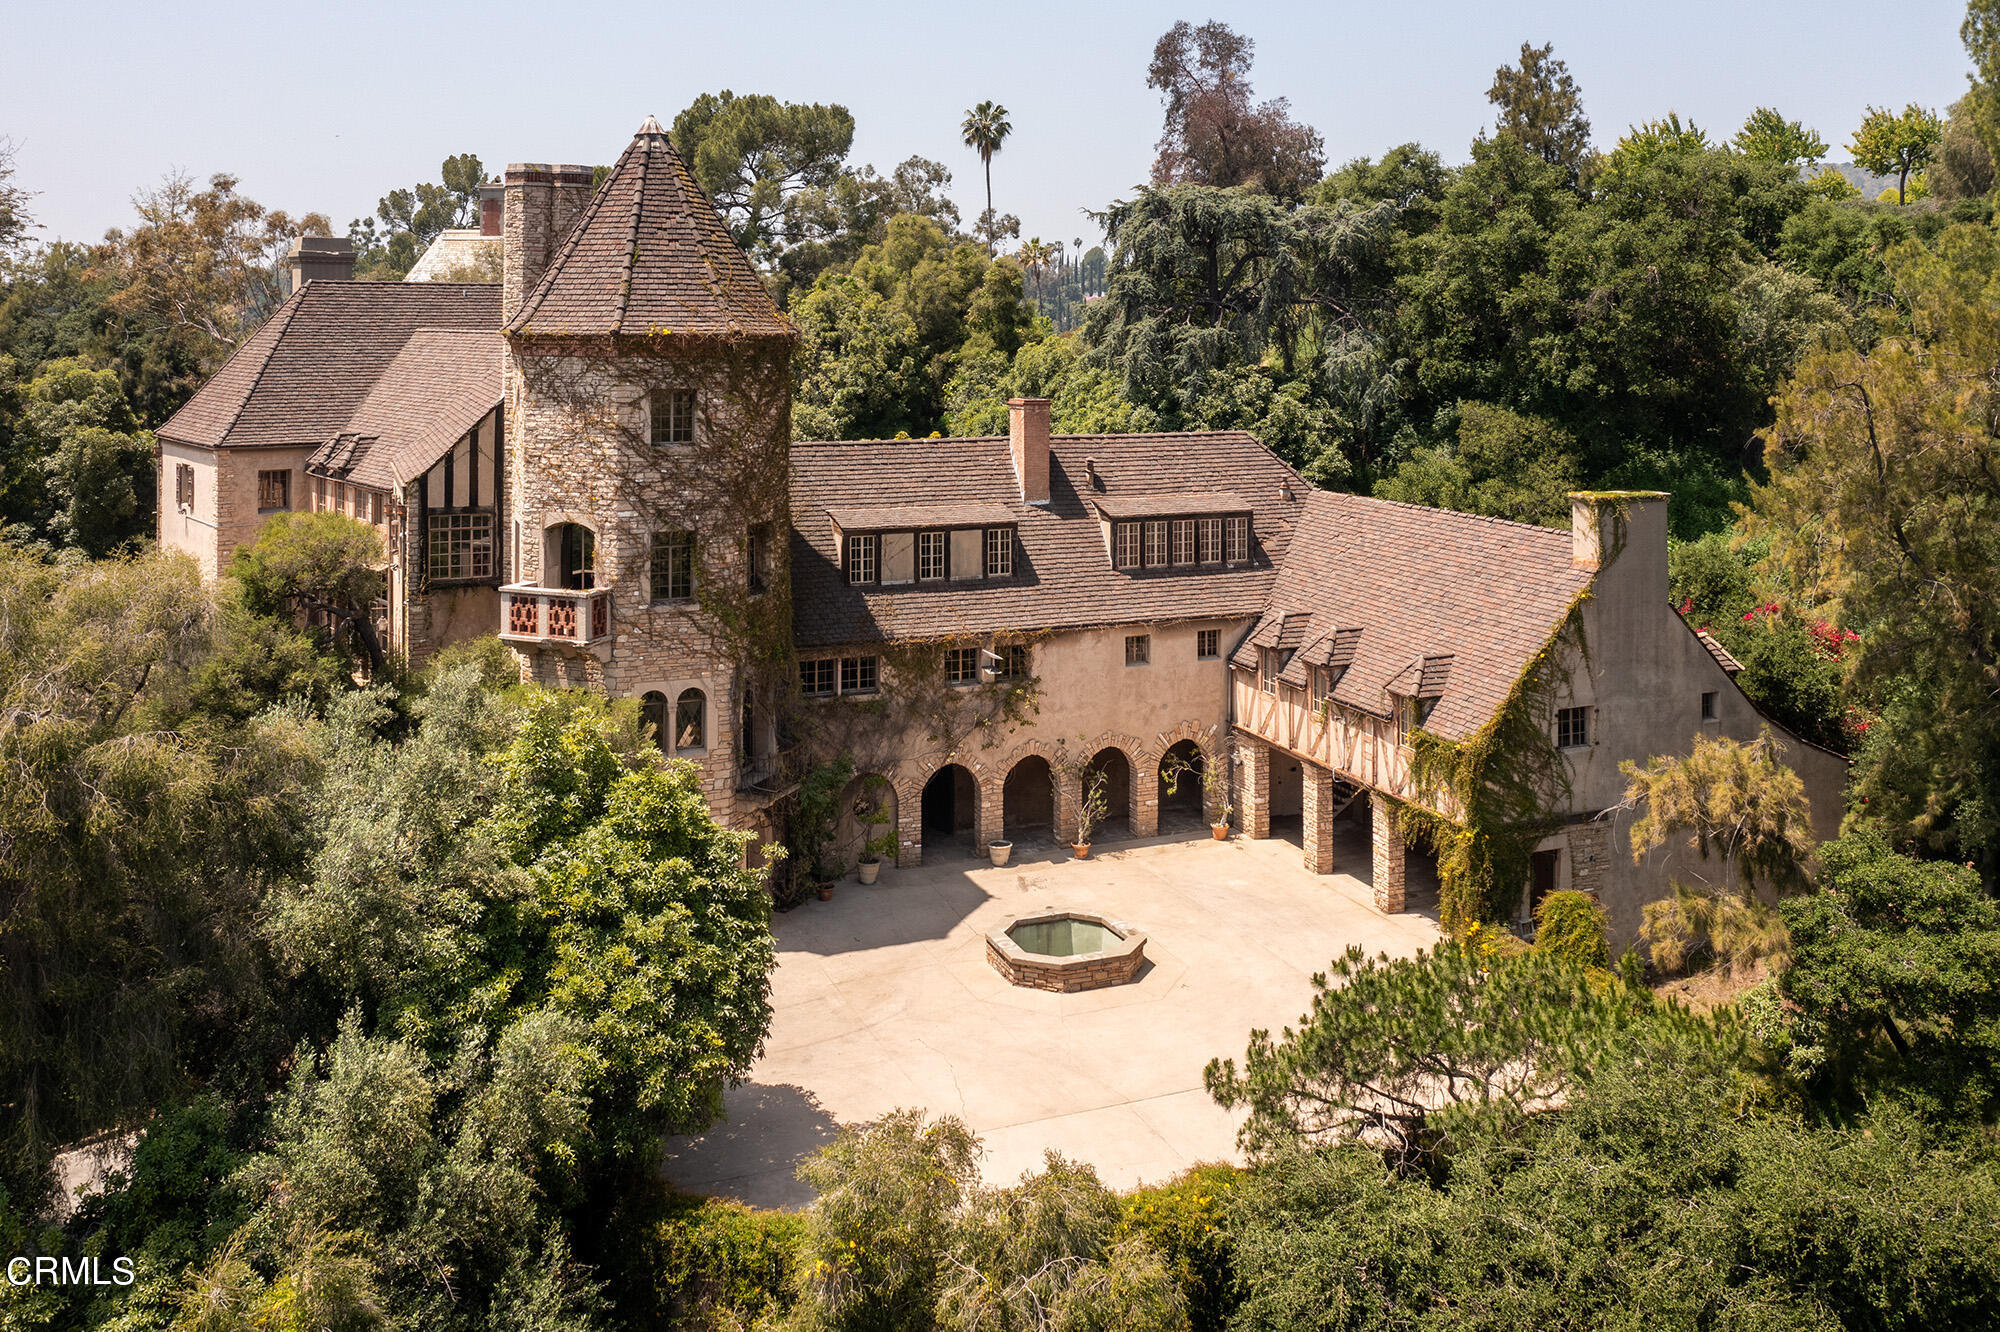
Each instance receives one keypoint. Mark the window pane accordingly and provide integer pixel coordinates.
(1208, 643)
(1208, 541)
(861, 559)
(1138, 650)
(1238, 549)
(673, 566)
(858, 675)
(460, 545)
(653, 708)
(930, 556)
(961, 665)
(999, 552)
(673, 416)
(1156, 544)
(1183, 541)
(816, 677)
(1125, 544)
(691, 720)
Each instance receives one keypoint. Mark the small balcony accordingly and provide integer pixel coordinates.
(572, 616)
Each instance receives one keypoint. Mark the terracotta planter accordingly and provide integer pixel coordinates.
(1221, 831)
(869, 869)
(999, 851)
(1082, 850)
(826, 892)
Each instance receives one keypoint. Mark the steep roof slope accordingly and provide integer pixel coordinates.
(1063, 574)
(437, 388)
(650, 255)
(299, 378)
(1447, 605)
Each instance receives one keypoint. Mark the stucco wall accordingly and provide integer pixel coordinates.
(195, 530)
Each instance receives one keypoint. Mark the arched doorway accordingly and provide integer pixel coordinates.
(1110, 769)
(1028, 801)
(569, 557)
(950, 807)
(1182, 768)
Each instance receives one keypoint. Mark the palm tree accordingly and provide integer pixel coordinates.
(984, 129)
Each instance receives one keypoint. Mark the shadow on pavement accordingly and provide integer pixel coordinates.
(752, 1155)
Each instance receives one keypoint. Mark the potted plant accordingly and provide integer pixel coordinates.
(1090, 812)
(999, 849)
(880, 843)
(1214, 787)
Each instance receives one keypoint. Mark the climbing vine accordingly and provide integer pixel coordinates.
(1505, 783)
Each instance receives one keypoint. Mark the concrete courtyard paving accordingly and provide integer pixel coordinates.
(884, 999)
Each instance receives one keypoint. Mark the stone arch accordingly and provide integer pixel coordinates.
(1113, 765)
(863, 802)
(655, 710)
(1028, 799)
(1178, 777)
(948, 807)
(691, 721)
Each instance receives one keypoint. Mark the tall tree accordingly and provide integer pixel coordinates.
(411, 219)
(205, 262)
(1884, 482)
(755, 156)
(15, 223)
(1902, 143)
(1541, 107)
(1215, 133)
(1769, 137)
(984, 129)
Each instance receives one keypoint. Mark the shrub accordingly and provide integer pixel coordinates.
(706, 1264)
(1570, 925)
(1183, 1220)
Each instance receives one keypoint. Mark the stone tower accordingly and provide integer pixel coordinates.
(648, 399)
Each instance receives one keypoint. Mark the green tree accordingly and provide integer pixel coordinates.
(1964, 167)
(1541, 108)
(1215, 134)
(1878, 508)
(1896, 971)
(1769, 137)
(322, 564)
(411, 219)
(15, 220)
(984, 130)
(204, 263)
(756, 157)
(97, 466)
(1734, 801)
(1410, 1054)
(1505, 465)
(1900, 144)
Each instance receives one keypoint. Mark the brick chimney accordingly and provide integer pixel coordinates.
(1028, 441)
(320, 259)
(540, 203)
(492, 208)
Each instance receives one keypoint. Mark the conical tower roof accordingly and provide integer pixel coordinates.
(650, 255)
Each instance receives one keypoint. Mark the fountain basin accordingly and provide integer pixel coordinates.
(1066, 951)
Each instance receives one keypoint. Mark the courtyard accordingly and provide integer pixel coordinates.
(884, 998)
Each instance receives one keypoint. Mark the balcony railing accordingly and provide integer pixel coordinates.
(530, 614)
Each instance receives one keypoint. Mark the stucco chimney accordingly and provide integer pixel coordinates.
(320, 259)
(1626, 528)
(540, 203)
(1028, 440)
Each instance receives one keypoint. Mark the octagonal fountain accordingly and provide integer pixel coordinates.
(1066, 951)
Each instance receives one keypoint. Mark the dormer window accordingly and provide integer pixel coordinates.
(999, 552)
(672, 416)
(930, 557)
(861, 558)
(1173, 542)
(947, 552)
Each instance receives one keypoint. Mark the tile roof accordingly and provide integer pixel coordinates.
(299, 379)
(897, 517)
(1064, 577)
(1165, 506)
(439, 386)
(1719, 652)
(650, 255)
(1438, 604)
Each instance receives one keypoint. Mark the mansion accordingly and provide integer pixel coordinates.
(592, 459)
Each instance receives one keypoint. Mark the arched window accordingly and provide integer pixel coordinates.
(653, 708)
(691, 720)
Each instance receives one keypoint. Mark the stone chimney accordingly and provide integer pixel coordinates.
(540, 203)
(1028, 441)
(1625, 529)
(492, 208)
(320, 259)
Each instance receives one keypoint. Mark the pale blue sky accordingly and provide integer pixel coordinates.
(330, 106)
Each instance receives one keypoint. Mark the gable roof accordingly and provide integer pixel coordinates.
(1421, 602)
(439, 386)
(1063, 576)
(298, 379)
(650, 255)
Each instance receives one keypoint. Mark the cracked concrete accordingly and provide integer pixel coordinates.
(883, 998)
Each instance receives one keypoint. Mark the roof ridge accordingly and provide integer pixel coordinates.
(1536, 528)
(638, 206)
(1053, 439)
